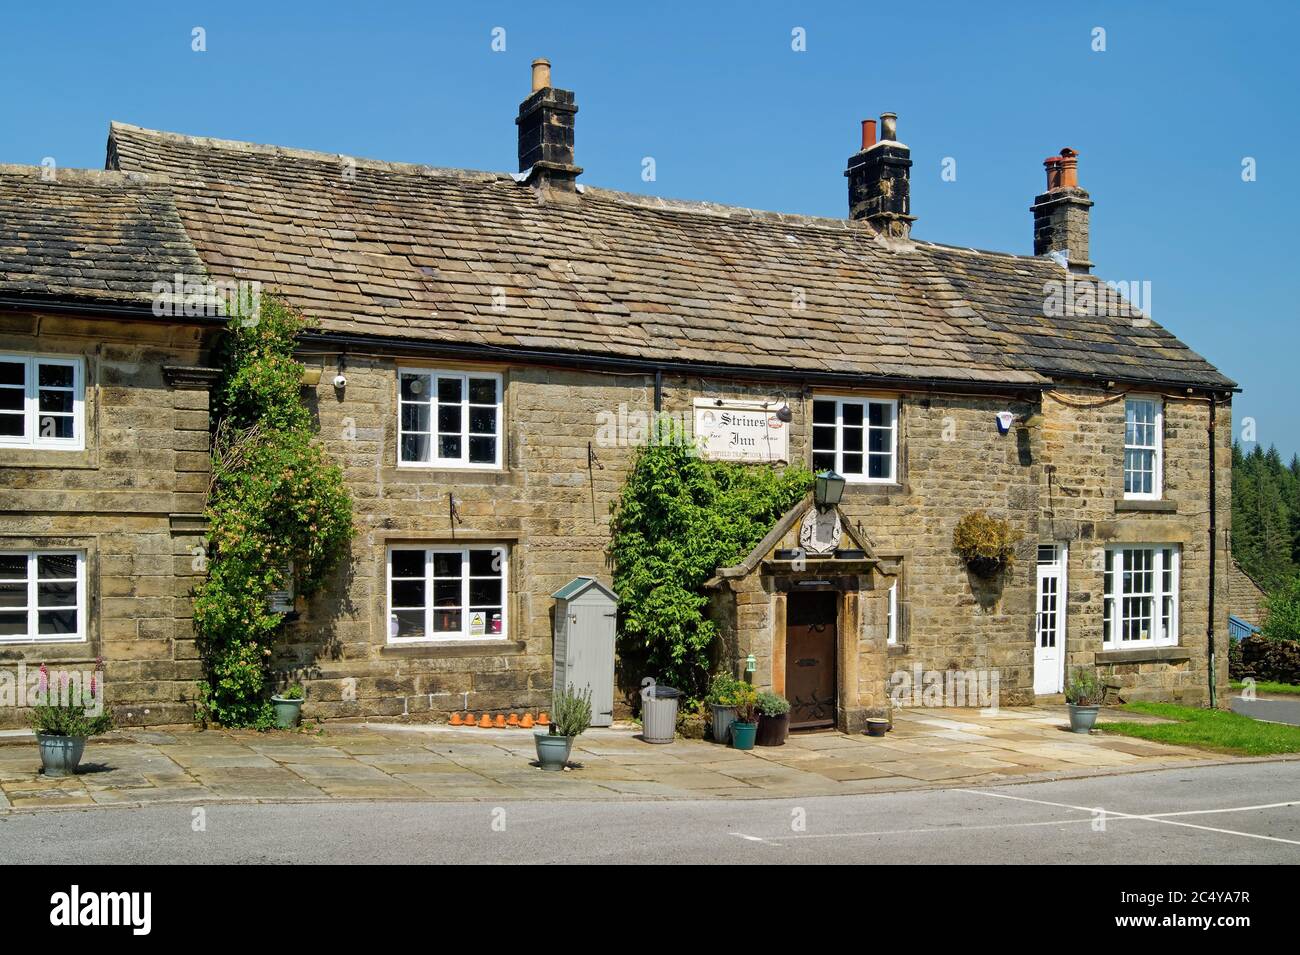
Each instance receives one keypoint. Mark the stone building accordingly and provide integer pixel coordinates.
(487, 351)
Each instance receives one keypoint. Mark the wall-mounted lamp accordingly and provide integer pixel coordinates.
(751, 664)
(827, 490)
(341, 380)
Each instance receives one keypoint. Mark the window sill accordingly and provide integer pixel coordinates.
(454, 648)
(1143, 506)
(1145, 655)
(897, 649)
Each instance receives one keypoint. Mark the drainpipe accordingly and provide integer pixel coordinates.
(1209, 630)
(659, 390)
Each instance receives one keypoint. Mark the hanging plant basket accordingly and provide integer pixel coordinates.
(987, 544)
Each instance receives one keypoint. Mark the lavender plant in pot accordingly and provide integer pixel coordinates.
(773, 719)
(1084, 696)
(571, 717)
(64, 717)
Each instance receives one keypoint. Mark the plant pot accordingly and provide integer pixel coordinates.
(772, 730)
(986, 566)
(287, 712)
(877, 726)
(723, 717)
(850, 553)
(1082, 717)
(786, 553)
(60, 755)
(552, 751)
(742, 734)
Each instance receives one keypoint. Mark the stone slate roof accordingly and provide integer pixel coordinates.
(468, 258)
(86, 235)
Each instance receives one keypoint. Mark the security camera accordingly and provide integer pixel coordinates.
(340, 381)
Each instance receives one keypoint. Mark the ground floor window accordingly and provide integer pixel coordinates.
(42, 596)
(1141, 596)
(446, 593)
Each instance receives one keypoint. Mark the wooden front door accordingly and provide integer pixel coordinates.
(810, 649)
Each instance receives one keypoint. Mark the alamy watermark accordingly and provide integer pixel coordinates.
(28, 687)
(919, 687)
(1096, 299)
(195, 296)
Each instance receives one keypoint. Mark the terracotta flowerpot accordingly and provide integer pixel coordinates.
(772, 730)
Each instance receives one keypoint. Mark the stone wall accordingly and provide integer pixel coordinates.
(130, 500)
(131, 497)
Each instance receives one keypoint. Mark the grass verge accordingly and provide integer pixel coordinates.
(1215, 730)
(1267, 686)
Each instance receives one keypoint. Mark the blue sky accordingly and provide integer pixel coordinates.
(1163, 118)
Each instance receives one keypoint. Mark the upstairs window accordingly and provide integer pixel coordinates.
(42, 596)
(42, 402)
(1143, 450)
(1140, 607)
(449, 419)
(857, 437)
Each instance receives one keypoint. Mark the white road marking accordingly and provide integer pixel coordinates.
(777, 840)
(1111, 813)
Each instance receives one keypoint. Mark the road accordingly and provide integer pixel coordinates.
(1238, 813)
(1275, 709)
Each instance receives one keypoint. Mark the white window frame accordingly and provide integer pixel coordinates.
(31, 437)
(1156, 449)
(1114, 614)
(462, 462)
(33, 634)
(866, 402)
(891, 620)
(430, 636)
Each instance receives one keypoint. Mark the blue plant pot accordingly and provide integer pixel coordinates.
(60, 755)
(552, 751)
(742, 734)
(287, 712)
(1082, 718)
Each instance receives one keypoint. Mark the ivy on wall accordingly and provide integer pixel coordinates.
(677, 520)
(275, 501)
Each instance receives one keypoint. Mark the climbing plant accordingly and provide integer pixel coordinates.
(677, 520)
(275, 502)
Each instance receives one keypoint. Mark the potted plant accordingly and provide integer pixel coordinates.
(1084, 696)
(722, 705)
(288, 707)
(572, 716)
(773, 719)
(745, 726)
(64, 718)
(987, 544)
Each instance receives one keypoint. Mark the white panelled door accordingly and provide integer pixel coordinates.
(1049, 623)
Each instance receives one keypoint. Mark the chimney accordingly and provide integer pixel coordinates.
(545, 124)
(878, 180)
(1061, 213)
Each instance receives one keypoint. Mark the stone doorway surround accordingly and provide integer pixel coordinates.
(749, 602)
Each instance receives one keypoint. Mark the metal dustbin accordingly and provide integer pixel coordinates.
(659, 713)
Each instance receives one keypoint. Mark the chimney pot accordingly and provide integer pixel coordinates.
(889, 126)
(868, 133)
(1053, 166)
(541, 74)
(1069, 168)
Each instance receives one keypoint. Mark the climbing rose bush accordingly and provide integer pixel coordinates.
(275, 500)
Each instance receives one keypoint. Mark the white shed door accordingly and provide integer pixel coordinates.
(591, 657)
(1049, 624)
